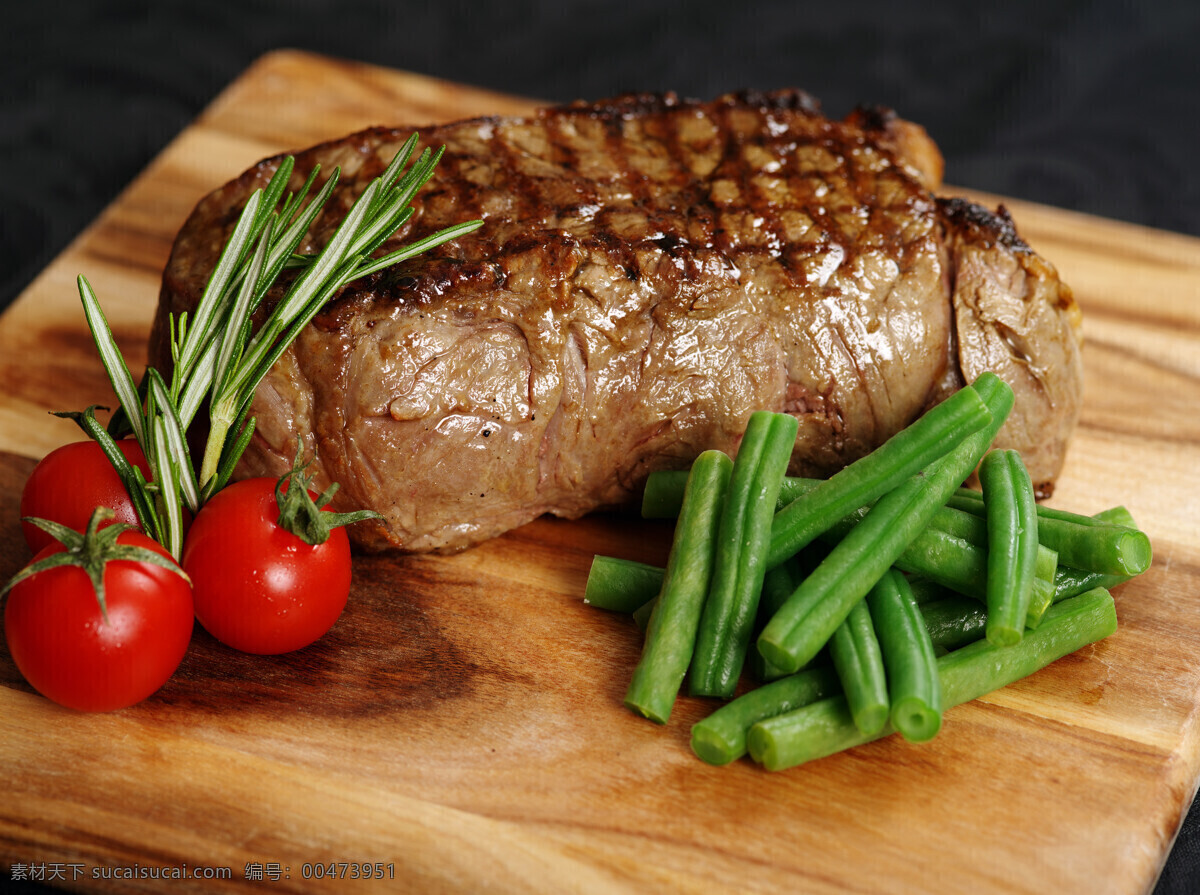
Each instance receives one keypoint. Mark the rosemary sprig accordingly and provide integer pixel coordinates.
(216, 352)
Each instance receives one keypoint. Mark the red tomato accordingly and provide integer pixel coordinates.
(258, 588)
(61, 644)
(71, 481)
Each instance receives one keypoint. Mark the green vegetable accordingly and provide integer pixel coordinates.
(1070, 582)
(641, 615)
(913, 685)
(855, 651)
(810, 616)
(954, 620)
(1117, 515)
(1012, 525)
(621, 585)
(671, 634)
(721, 737)
(867, 479)
(962, 567)
(824, 727)
(1108, 543)
(778, 585)
(726, 625)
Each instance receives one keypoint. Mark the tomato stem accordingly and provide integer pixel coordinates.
(91, 551)
(300, 514)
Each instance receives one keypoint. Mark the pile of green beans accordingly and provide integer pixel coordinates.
(867, 603)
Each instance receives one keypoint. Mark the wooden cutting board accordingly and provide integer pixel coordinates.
(462, 724)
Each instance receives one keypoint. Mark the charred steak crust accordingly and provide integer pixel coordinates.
(649, 272)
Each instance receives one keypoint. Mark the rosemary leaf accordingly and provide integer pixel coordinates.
(111, 357)
(176, 440)
(205, 314)
(237, 325)
(409, 251)
(167, 476)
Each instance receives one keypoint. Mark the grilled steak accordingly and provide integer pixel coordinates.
(650, 271)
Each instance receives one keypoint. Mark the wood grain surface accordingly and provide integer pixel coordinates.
(462, 723)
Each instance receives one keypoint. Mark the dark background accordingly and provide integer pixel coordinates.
(1092, 106)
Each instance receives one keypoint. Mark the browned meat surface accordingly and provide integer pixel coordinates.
(650, 271)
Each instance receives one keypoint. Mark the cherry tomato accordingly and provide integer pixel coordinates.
(65, 649)
(71, 481)
(258, 588)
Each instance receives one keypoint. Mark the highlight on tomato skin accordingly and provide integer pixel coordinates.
(64, 647)
(71, 481)
(258, 588)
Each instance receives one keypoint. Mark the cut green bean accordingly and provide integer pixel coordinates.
(858, 660)
(778, 584)
(962, 567)
(867, 479)
(953, 620)
(621, 585)
(808, 619)
(662, 495)
(1107, 542)
(1070, 582)
(925, 590)
(671, 633)
(1012, 525)
(641, 615)
(914, 691)
(824, 727)
(721, 737)
(727, 623)
(940, 559)
(960, 523)
(1118, 515)
(1041, 598)
(963, 495)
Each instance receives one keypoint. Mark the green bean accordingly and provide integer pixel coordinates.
(961, 523)
(1113, 549)
(962, 567)
(1012, 525)
(1118, 515)
(778, 584)
(971, 500)
(858, 660)
(662, 494)
(621, 585)
(810, 616)
(824, 727)
(926, 590)
(974, 530)
(1107, 542)
(914, 690)
(1069, 582)
(721, 737)
(671, 633)
(641, 615)
(867, 479)
(727, 623)
(954, 620)
(940, 559)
